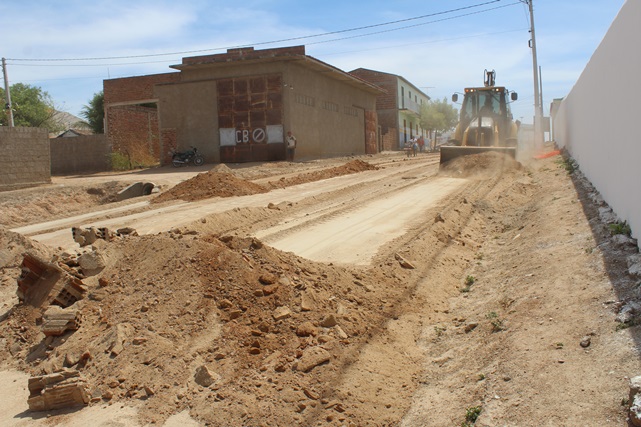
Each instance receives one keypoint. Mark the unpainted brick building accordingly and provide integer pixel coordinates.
(398, 108)
(238, 106)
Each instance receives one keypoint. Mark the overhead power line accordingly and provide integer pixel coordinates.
(414, 25)
(281, 40)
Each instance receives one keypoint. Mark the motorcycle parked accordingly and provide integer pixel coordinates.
(183, 158)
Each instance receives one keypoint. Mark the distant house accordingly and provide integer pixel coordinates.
(398, 109)
(238, 106)
(72, 125)
(70, 133)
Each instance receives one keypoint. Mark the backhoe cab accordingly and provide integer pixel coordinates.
(485, 123)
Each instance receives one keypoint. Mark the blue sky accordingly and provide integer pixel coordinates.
(440, 53)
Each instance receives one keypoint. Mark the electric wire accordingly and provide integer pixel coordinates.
(265, 42)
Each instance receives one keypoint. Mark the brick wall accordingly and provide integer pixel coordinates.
(170, 142)
(135, 88)
(133, 129)
(25, 160)
(386, 105)
(370, 132)
(244, 54)
(388, 82)
(81, 154)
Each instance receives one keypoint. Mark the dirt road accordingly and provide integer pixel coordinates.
(409, 189)
(430, 297)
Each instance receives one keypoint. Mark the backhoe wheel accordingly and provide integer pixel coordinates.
(199, 160)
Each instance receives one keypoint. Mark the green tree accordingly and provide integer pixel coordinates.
(438, 116)
(94, 113)
(32, 107)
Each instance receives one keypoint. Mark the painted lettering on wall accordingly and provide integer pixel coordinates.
(269, 134)
(245, 136)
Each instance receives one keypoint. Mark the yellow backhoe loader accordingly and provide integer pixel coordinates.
(485, 123)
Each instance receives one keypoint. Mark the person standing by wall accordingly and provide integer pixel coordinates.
(290, 143)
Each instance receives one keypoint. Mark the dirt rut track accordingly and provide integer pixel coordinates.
(146, 218)
(421, 345)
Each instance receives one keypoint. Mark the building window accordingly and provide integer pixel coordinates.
(350, 111)
(305, 100)
(331, 106)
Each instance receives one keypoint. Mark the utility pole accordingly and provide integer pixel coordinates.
(9, 107)
(538, 109)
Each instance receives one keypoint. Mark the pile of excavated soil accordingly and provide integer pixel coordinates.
(210, 184)
(53, 202)
(12, 248)
(482, 165)
(348, 168)
(268, 331)
(221, 182)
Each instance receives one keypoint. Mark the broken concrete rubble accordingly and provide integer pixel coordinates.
(403, 262)
(634, 399)
(42, 283)
(313, 357)
(137, 189)
(205, 377)
(64, 389)
(91, 263)
(59, 320)
(88, 236)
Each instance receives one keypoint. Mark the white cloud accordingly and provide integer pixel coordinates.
(444, 56)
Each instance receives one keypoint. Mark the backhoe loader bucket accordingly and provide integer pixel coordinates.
(452, 152)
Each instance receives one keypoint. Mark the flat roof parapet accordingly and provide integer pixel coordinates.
(245, 53)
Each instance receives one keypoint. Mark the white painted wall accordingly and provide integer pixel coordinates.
(599, 122)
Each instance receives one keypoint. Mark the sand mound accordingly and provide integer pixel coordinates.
(14, 245)
(185, 321)
(220, 182)
(354, 166)
(210, 184)
(482, 165)
(221, 168)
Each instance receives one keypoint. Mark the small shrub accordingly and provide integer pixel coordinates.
(620, 228)
(632, 323)
(497, 325)
(471, 415)
(120, 162)
(568, 164)
(469, 281)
